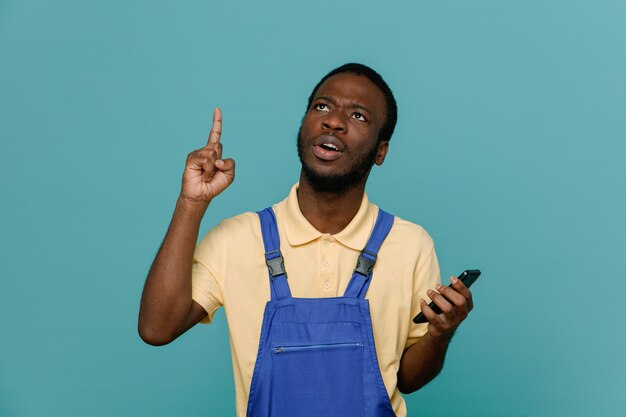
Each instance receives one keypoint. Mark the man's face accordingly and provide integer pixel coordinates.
(338, 140)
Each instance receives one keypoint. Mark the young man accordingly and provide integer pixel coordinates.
(362, 348)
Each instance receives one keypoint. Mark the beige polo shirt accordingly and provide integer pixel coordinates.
(229, 270)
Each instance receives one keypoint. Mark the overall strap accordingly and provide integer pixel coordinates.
(273, 258)
(361, 277)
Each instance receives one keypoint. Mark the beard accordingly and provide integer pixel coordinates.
(341, 182)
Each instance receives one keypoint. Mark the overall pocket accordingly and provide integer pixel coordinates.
(318, 380)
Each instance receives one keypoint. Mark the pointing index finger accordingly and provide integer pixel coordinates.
(216, 128)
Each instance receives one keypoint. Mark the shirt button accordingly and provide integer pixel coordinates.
(326, 284)
(326, 261)
(325, 242)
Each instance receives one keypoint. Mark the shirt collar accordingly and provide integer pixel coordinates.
(299, 231)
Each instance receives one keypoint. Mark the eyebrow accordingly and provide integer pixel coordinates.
(353, 105)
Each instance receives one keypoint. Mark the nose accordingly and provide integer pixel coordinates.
(334, 121)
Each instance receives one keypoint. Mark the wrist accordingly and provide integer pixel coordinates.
(440, 338)
(191, 205)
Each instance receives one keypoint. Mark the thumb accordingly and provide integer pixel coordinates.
(225, 165)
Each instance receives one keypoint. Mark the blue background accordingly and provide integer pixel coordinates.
(510, 150)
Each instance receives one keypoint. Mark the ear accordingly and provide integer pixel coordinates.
(383, 147)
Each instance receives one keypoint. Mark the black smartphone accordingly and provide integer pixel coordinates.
(467, 278)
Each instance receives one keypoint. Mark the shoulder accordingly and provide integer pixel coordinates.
(235, 234)
(233, 227)
(408, 233)
(240, 221)
(244, 225)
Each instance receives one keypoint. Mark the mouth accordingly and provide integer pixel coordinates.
(328, 148)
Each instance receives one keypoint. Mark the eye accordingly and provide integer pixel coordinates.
(359, 116)
(321, 106)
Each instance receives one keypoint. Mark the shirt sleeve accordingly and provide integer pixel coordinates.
(207, 271)
(427, 276)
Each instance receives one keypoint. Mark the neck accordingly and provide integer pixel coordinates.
(329, 212)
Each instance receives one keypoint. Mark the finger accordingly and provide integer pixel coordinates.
(458, 285)
(216, 127)
(208, 169)
(428, 312)
(452, 295)
(196, 159)
(209, 151)
(444, 305)
(212, 149)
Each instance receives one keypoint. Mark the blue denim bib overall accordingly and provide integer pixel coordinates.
(316, 356)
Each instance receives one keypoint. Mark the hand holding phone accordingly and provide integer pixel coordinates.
(468, 277)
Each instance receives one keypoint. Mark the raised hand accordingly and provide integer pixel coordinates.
(206, 174)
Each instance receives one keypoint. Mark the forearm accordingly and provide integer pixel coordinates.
(422, 361)
(166, 300)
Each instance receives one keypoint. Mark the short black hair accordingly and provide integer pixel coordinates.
(359, 69)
